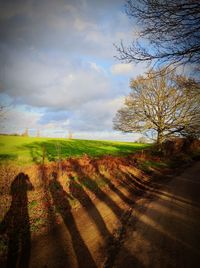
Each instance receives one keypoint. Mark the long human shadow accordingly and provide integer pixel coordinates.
(93, 187)
(130, 261)
(175, 238)
(163, 207)
(126, 181)
(54, 232)
(156, 190)
(78, 192)
(112, 187)
(16, 223)
(152, 187)
(163, 236)
(61, 202)
(44, 180)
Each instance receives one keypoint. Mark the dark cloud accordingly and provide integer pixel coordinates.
(56, 56)
(76, 26)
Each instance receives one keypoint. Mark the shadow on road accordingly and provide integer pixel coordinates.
(92, 186)
(16, 223)
(61, 202)
(78, 192)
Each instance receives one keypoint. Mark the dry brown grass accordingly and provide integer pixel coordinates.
(82, 180)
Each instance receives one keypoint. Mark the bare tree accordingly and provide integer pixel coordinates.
(169, 32)
(3, 110)
(38, 133)
(142, 140)
(70, 135)
(161, 103)
(25, 133)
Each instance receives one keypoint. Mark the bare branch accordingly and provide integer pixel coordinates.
(167, 103)
(170, 28)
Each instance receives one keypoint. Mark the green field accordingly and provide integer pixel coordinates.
(27, 150)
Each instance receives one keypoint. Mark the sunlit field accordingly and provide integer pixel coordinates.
(27, 150)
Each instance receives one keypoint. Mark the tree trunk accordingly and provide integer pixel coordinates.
(160, 139)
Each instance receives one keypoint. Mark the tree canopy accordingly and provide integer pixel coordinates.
(167, 104)
(169, 32)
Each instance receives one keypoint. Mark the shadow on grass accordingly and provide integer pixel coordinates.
(59, 149)
(5, 157)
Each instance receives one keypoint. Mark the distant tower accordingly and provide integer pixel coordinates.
(38, 133)
(25, 134)
(70, 135)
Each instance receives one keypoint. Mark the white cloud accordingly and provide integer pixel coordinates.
(81, 24)
(122, 68)
(96, 67)
(42, 83)
(96, 115)
(56, 57)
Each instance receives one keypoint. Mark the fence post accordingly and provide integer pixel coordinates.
(43, 154)
(57, 145)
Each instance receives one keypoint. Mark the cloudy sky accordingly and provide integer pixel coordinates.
(58, 71)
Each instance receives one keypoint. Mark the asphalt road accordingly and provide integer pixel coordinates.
(164, 230)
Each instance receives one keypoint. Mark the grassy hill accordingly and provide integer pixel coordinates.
(26, 150)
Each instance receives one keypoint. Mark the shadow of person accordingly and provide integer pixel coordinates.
(78, 192)
(92, 186)
(16, 223)
(61, 202)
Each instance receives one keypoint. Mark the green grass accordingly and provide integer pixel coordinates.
(27, 150)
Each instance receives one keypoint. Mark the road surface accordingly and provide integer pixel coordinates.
(164, 229)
